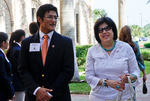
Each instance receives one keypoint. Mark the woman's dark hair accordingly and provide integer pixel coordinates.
(125, 35)
(3, 37)
(109, 22)
(43, 9)
(15, 37)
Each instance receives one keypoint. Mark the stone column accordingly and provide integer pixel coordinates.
(67, 28)
(122, 12)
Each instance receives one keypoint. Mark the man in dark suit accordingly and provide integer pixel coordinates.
(46, 79)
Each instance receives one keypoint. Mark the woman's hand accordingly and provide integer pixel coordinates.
(124, 78)
(144, 77)
(114, 84)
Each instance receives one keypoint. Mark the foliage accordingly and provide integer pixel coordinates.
(81, 61)
(147, 45)
(146, 30)
(98, 13)
(145, 55)
(81, 50)
(140, 32)
(136, 30)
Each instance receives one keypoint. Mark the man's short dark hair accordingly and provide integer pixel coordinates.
(43, 9)
(3, 37)
(110, 23)
(33, 27)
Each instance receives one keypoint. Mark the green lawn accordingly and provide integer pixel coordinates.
(84, 88)
(144, 49)
(80, 88)
(147, 67)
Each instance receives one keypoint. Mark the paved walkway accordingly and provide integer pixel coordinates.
(140, 96)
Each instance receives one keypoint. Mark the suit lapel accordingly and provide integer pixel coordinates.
(36, 39)
(52, 48)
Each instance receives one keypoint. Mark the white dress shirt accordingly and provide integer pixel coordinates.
(50, 34)
(5, 55)
(100, 65)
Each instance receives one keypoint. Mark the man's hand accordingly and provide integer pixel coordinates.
(12, 98)
(42, 95)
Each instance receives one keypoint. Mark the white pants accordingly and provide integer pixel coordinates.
(19, 96)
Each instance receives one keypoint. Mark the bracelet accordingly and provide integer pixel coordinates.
(134, 79)
(105, 84)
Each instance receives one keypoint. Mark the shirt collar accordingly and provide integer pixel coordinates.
(18, 44)
(50, 34)
(2, 51)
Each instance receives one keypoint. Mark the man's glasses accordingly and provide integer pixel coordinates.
(50, 17)
(107, 28)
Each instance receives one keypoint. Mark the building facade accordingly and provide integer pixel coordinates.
(75, 17)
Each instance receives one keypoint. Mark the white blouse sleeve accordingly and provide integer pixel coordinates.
(133, 66)
(90, 75)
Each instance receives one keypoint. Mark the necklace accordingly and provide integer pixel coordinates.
(109, 49)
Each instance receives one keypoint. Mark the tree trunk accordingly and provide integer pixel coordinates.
(122, 6)
(67, 27)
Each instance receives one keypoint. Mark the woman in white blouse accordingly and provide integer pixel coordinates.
(109, 62)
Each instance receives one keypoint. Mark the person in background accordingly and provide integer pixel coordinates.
(13, 56)
(46, 61)
(33, 28)
(125, 35)
(6, 88)
(108, 64)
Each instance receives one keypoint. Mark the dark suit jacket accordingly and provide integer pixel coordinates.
(13, 57)
(58, 69)
(6, 88)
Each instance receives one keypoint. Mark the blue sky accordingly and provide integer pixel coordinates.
(138, 11)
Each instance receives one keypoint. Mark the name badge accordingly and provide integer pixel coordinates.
(34, 47)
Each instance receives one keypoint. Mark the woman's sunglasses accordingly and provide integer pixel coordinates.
(107, 28)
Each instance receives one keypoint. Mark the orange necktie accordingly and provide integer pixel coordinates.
(44, 48)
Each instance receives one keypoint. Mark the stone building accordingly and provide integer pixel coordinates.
(75, 17)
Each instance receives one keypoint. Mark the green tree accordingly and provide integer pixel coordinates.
(146, 30)
(99, 13)
(136, 30)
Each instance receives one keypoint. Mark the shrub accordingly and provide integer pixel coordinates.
(81, 61)
(147, 45)
(145, 55)
(81, 50)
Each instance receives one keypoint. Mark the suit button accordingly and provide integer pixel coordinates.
(11, 74)
(42, 75)
(11, 82)
(42, 86)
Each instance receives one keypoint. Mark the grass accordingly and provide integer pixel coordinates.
(84, 88)
(81, 68)
(144, 49)
(80, 88)
(147, 67)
